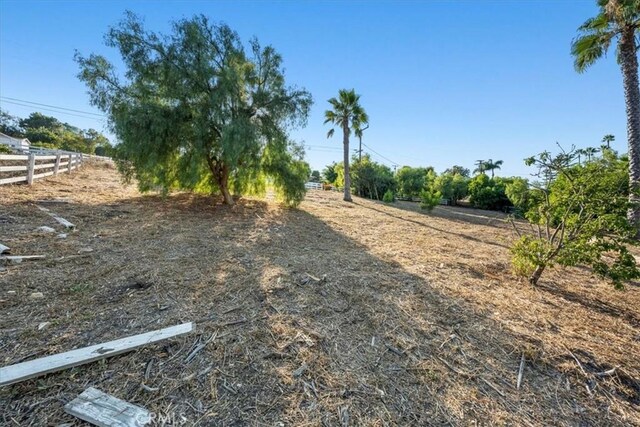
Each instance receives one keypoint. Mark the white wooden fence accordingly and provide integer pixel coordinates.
(313, 186)
(29, 167)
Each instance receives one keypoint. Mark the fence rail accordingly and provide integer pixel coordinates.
(35, 166)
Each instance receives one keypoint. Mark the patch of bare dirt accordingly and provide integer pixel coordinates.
(332, 314)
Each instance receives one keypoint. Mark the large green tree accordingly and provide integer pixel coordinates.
(348, 115)
(617, 20)
(194, 111)
(411, 181)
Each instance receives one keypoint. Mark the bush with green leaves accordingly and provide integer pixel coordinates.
(411, 181)
(488, 193)
(519, 194)
(389, 197)
(329, 173)
(370, 179)
(579, 214)
(430, 199)
(451, 186)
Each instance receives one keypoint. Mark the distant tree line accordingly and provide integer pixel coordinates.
(49, 132)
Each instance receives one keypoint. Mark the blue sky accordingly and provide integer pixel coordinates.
(444, 82)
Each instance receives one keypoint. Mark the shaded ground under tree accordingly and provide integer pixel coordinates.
(415, 320)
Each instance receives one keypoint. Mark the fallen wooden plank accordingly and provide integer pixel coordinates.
(62, 200)
(103, 410)
(20, 258)
(63, 221)
(35, 368)
(4, 249)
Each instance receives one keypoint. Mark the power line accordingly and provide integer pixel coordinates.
(53, 111)
(8, 99)
(380, 155)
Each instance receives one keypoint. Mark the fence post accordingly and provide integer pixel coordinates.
(31, 168)
(69, 164)
(57, 166)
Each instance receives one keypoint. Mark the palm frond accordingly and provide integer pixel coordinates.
(587, 49)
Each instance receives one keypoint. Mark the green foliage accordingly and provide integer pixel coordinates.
(4, 149)
(389, 197)
(580, 211)
(458, 170)
(10, 125)
(529, 253)
(49, 132)
(288, 171)
(488, 193)
(519, 194)
(196, 112)
(429, 199)
(411, 181)
(330, 174)
(452, 187)
(315, 176)
(347, 114)
(371, 179)
(597, 34)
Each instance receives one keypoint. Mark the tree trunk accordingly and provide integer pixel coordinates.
(347, 177)
(533, 279)
(221, 175)
(223, 183)
(629, 66)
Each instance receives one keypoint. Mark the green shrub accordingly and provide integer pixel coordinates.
(580, 213)
(430, 199)
(388, 197)
(528, 253)
(4, 149)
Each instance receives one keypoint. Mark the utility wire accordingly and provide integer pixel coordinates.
(8, 99)
(52, 110)
(380, 155)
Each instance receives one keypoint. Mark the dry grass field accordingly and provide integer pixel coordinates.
(333, 314)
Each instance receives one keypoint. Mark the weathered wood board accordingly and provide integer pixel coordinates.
(103, 410)
(35, 368)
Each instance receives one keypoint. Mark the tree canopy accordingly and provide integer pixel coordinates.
(193, 110)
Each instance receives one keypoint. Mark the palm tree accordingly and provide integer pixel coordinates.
(590, 152)
(617, 20)
(490, 165)
(348, 114)
(608, 139)
(481, 167)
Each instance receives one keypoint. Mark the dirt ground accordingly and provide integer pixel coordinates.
(332, 314)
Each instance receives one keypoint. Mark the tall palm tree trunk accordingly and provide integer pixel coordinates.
(629, 66)
(347, 173)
